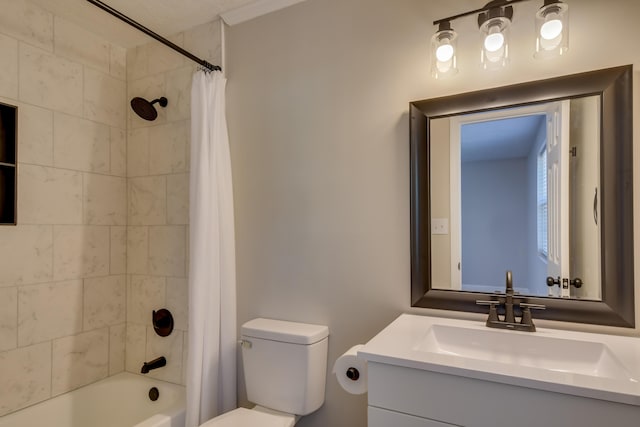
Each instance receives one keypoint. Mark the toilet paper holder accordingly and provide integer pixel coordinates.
(353, 374)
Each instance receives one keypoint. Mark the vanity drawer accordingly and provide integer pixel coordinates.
(383, 418)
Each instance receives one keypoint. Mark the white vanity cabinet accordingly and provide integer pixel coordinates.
(407, 397)
(433, 372)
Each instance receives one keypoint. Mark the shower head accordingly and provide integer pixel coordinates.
(145, 109)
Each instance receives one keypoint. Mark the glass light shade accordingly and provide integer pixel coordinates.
(552, 30)
(443, 54)
(495, 42)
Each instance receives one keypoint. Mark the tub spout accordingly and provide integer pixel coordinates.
(154, 364)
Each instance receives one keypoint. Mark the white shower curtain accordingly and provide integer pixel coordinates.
(211, 363)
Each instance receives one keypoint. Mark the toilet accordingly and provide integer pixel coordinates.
(285, 366)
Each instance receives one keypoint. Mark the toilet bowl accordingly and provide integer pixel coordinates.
(285, 366)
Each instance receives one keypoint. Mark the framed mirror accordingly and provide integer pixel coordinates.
(535, 178)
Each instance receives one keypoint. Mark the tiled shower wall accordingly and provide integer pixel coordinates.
(71, 297)
(63, 267)
(158, 197)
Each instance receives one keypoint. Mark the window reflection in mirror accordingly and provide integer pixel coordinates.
(517, 189)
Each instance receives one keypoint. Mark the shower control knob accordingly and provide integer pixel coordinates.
(353, 374)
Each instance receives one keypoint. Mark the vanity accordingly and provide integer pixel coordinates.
(437, 372)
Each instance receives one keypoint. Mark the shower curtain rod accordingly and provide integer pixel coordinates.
(156, 36)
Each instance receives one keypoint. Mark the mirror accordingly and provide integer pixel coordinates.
(535, 178)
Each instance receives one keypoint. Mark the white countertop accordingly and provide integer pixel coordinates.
(613, 374)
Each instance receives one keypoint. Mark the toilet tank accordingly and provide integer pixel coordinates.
(285, 364)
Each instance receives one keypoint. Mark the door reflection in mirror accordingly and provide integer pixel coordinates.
(515, 189)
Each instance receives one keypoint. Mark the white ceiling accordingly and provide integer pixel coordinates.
(165, 17)
(500, 139)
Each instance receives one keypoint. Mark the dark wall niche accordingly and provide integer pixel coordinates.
(8, 163)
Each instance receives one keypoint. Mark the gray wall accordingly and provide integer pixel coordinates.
(494, 222)
(318, 117)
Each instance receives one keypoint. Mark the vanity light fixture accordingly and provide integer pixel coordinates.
(494, 22)
(552, 29)
(444, 48)
(494, 27)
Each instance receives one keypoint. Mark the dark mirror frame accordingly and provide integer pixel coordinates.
(614, 85)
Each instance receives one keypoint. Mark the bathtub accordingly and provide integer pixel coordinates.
(118, 401)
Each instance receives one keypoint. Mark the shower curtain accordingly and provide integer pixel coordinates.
(211, 363)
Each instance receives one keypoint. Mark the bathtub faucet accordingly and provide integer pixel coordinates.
(154, 364)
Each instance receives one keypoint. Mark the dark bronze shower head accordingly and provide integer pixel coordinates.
(145, 109)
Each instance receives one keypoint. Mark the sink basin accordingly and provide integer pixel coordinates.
(584, 364)
(524, 349)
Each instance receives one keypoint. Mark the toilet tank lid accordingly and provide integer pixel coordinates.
(284, 331)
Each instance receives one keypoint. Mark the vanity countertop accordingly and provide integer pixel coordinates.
(598, 366)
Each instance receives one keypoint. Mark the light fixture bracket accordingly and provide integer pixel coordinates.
(495, 9)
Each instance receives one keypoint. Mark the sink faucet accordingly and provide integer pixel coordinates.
(508, 300)
(509, 317)
(154, 364)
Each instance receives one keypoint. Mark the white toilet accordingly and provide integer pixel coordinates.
(285, 367)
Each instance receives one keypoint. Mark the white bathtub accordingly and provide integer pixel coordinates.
(118, 401)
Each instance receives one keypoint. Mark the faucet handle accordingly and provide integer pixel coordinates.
(527, 319)
(526, 306)
(493, 311)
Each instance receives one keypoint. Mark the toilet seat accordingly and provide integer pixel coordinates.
(257, 417)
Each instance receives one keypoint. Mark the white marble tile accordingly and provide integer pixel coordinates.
(138, 152)
(118, 62)
(49, 196)
(105, 200)
(171, 348)
(178, 199)
(168, 148)
(8, 67)
(204, 41)
(79, 360)
(48, 311)
(80, 251)
(163, 58)
(118, 152)
(74, 42)
(35, 130)
(167, 251)
(138, 62)
(149, 88)
(179, 93)
(145, 294)
(104, 301)
(137, 250)
(147, 199)
(8, 318)
(105, 98)
(25, 377)
(50, 81)
(28, 22)
(26, 254)
(118, 250)
(136, 344)
(81, 144)
(117, 340)
(178, 301)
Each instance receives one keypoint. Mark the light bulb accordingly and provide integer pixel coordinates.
(493, 42)
(444, 52)
(551, 29)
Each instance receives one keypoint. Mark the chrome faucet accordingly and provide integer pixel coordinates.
(508, 301)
